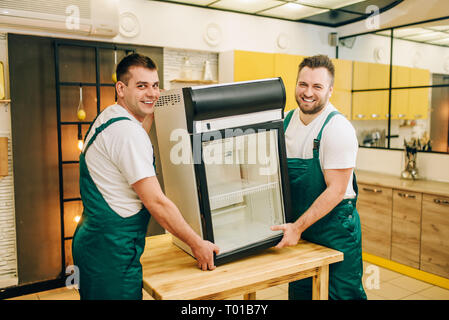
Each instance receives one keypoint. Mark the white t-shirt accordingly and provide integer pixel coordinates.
(338, 146)
(121, 155)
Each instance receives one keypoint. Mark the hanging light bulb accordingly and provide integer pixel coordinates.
(80, 138)
(77, 219)
(114, 75)
(80, 113)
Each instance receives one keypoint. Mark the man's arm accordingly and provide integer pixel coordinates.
(337, 182)
(169, 217)
(148, 122)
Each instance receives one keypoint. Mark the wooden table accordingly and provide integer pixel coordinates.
(169, 273)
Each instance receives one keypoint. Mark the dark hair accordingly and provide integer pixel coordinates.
(133, 60)
(318, 61)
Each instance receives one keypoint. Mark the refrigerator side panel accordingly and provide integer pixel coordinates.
(176, 160)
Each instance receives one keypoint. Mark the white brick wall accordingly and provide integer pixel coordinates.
(174, 60)
(8, 256)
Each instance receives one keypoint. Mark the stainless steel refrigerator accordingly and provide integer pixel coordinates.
(223, 158)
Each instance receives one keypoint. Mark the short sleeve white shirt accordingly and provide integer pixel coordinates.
(121, 155)
(338, 146)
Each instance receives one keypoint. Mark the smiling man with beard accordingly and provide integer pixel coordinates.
(120, 191)
(321, 150)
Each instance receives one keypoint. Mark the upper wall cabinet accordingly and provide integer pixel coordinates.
(413, 103)
(370, 76)
(286, 67)
(341, 95)
(246, 65)
(252, 65)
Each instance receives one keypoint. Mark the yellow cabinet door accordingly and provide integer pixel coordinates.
(400, 76)
(360, 75)
(341, 96)
(378, 105)
(341, 99)
(250, 65)
(400, 104)
(370, 105)
(360, 104)
(379, 76)
(400, 98)
(343, 74)
(419, 103)
(370, 75)
(286, 67)
(419, 77)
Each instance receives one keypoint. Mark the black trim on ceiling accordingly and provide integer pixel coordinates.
(354, 9)
(395, 27)
(330, 18)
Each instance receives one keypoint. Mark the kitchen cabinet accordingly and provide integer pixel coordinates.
(374, 205)
(368, 75)
(370, 105)
(253, 65)
(240, 65)
(286, 67)
(419, 103)
(410, 103)
(400, 98)
(420, 221)
(405, 103)
(406, 227)
(342, 96)
(434, 238)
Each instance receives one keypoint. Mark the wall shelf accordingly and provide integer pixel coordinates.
(194, 81)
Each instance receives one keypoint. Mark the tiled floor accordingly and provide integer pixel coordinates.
(380, 284)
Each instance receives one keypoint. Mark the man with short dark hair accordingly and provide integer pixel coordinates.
(321, 150)
(119, 190)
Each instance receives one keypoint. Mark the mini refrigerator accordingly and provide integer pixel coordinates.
(223, 158)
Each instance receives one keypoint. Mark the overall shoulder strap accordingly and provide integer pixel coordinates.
(288, 118)
(316, 141)
(101, 128)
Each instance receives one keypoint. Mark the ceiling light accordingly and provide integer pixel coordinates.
(248, 6)
(292, 11)
(197, 2)
(401, 33)
(443, 41)
(439, 28)
(432, 35)
(330, 4)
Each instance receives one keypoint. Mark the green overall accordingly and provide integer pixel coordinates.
(340, 229)
(107, 247)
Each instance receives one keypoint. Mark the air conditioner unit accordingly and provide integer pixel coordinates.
(86, 17)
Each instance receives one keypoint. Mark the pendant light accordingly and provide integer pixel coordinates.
(81, 114)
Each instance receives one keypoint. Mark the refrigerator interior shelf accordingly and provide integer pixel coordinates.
(231, 236)
(248, 188)
(228, 209)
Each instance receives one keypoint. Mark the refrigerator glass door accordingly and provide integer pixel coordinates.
(244, 188)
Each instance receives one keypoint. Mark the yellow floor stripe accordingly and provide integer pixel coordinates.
(406, 270)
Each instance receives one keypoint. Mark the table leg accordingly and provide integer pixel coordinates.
(320, 284)
(249, 296)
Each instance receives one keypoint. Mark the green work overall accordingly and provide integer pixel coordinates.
(340, 229)
(107, 247)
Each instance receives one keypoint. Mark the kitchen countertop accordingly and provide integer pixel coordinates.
(391, 181)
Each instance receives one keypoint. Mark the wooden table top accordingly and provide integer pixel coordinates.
(171, 274)
(391, 181)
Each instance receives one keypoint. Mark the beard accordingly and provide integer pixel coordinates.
(319, 105)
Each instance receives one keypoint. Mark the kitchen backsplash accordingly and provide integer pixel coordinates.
(431, 166)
